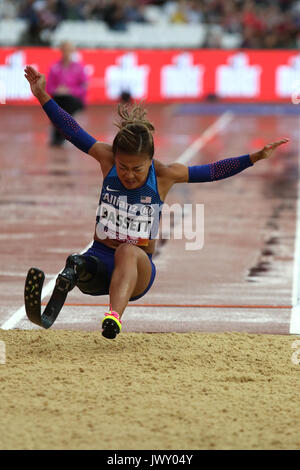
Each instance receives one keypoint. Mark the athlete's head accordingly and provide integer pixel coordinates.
(133, 146)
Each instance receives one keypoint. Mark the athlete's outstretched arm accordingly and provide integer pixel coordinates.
(221, 169)
(64, 121)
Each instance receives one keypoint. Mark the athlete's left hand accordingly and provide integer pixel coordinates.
(267, 150)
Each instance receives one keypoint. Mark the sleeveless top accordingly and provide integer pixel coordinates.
(129, 215)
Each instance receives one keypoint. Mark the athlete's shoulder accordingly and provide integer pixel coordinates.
(103, 153)
(174, 172)
(159, 166)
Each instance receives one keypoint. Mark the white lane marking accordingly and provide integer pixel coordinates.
(21, 236)
(295, 314)
(207, 135)
(17, 236)
(20, 313)
(184, 158)
(57, 250)
(20, 274)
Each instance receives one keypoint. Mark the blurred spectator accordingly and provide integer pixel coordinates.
(231, 18)
(29, 12)
(43, 16)
(48, 14)
(94, 9)
(213, 39)
(134, 11)
(74, 10)
(114, 15)
(260, 23)
(8, 9)
(194, 14)
(185, 11)
(67, 84)
(180, 15)
(251, 18)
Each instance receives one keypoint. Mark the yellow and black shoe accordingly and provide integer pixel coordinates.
(111, 325)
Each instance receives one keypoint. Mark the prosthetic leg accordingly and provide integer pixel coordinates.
(88, 273)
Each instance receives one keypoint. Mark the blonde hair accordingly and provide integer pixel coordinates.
(135, 134)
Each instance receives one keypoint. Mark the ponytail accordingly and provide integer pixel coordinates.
(135, 131)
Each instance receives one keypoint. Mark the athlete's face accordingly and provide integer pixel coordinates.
(132, 170)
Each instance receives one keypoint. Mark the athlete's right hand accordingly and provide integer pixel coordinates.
(36, 80)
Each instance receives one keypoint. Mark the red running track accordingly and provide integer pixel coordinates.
(241, 280)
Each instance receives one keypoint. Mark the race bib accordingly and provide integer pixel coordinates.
(124, 226)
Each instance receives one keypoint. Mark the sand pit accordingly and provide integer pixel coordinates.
(77, 390)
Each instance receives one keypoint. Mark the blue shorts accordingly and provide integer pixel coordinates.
(107, 256)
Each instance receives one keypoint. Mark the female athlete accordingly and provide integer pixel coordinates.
(135, 185)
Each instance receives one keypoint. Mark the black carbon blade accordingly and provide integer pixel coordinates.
(32, 295)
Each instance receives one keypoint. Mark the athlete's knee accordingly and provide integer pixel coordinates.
(78, 264)
(67, 279)
(88, 273)
(126, 251)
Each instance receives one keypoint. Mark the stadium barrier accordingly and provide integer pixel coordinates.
(164, 76)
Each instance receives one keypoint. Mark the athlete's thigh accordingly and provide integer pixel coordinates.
(144, 274)
(134, 254)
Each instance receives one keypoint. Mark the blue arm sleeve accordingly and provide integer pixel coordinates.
(68, 126)
(219, 170)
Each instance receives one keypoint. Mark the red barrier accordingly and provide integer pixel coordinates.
(164, 76)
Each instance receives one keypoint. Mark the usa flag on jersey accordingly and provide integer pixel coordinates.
(146, 199)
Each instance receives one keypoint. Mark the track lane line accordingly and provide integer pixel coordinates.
(205, 137)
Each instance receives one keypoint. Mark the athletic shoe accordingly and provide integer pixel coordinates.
(111, 325)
